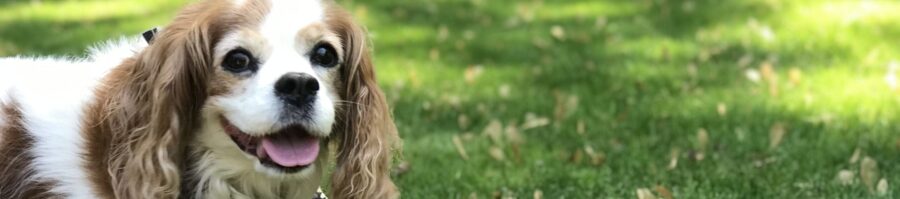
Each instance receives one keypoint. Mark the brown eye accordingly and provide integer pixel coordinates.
(239, 61)
(324, 55)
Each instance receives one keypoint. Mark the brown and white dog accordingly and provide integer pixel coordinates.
(233, 99)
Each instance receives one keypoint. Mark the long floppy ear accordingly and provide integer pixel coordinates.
(153, 107)
(365, 129)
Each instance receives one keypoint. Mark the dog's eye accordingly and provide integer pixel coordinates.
(324, 55)
(239, 61)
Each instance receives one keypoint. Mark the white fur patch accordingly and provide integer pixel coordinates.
(52, 94)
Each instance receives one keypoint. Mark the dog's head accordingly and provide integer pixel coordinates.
(260, 87)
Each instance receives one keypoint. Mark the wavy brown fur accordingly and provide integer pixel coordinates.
(365, 129)
(148, 106)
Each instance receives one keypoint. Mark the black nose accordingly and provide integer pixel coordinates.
(297, 88)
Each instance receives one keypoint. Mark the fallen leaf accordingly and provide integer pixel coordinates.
(722, 109)
(644, 193)
(460, 148)
(768, 74)
(558, 32)
(855, 157)
(513, 135)
(494, 130)
(472, 73)
(576, 157)
(580, 128)
(753, 75)
(565, 104)
(463, 121)
(597, 158)
(673, 159)
(504, 91)
(533, 121)
(538, 194)
(664, 192)
(702, 139)
(776, 134)
(868, 173)
(845, 177)
(882, 188)
(473, 195)
(497, 153)
(795, 76)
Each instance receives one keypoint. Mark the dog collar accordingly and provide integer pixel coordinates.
(150, 34)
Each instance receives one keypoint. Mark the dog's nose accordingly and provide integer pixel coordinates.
(297, 88)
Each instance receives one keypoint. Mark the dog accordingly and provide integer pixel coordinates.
(232, 99)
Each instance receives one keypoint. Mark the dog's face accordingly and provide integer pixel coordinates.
(257, 88)
(273, 90)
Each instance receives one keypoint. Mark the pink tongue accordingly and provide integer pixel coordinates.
(291, 149)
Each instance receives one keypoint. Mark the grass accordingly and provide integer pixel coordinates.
(776, 96)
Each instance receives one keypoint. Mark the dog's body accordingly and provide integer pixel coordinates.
(234, 99)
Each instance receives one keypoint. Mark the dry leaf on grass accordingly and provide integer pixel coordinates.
(472, 73)
(882, 188)
(538, 194)
(722, 109)
(565, 105)
(558, 32)
(702, 139)
(664, 192)
(503, 90)
(776, 135)
(768, 74)
(673, 159)
(644, 193)
(597, 158)
(580, 128)
(855, 157)
(463, 121)
(753, 75)
(513, 135)
(868, 173)
(497, 153)
(460, 148)
(534, 121)
(576, 157)
(494, 130)
(845, 177)
(795, 76)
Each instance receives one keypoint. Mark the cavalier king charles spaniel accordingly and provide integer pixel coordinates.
(233, 99)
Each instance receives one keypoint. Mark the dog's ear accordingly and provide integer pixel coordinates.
(157, 106)
(366, 133)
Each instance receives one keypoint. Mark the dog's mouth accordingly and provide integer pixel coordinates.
(290, 149)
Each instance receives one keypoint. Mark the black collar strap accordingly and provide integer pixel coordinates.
(150, 34)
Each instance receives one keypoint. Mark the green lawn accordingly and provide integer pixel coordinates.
(601, 98)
